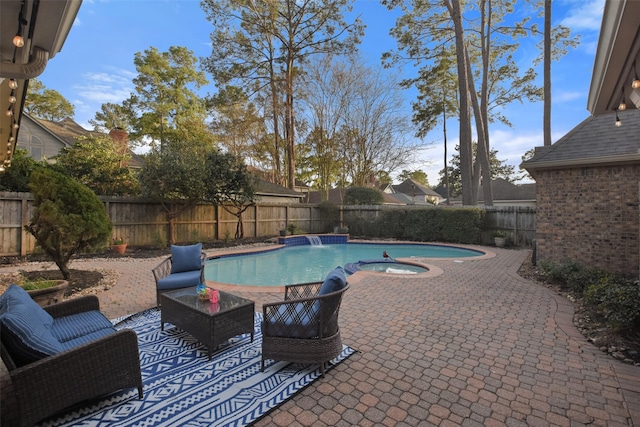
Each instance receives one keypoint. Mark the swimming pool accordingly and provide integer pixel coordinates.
(307, 263)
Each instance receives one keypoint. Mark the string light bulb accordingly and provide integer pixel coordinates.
(9, 112)
(618, 121)
(18, 40)
(12, 98)
(13, 84)
(635, 84)
(623, 104)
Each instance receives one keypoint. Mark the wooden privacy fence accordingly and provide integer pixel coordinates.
(144, 223)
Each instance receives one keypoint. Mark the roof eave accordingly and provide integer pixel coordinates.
(573, 163)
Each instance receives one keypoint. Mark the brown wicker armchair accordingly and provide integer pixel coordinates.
(304, 327)
(167, 279)
(43, 388)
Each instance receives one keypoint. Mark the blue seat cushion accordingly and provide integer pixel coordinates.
(87, 338)
(17, 296)
(180, 280)
(293, 325)
(70, 327)
(185, 258)
(334, 281)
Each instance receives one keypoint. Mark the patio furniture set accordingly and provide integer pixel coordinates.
(56, 356)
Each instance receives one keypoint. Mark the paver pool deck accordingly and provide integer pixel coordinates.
(477, 345)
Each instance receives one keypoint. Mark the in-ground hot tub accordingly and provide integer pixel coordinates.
(385, 265)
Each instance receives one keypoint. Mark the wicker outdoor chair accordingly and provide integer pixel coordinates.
(45, 387)
(304, 327)
(182, 269)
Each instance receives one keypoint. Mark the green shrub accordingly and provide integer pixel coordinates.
(67, 217)
(579, 280)
(618, 300)
(429, 224)
(363, 196)
(559, 272)
(572, 275)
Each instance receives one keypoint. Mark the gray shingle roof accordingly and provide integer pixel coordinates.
(507, 191)
(595, 140)
(412, 187)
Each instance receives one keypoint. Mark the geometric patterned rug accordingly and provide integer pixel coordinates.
(182, 387)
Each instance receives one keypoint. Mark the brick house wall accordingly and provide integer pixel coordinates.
(590, 215)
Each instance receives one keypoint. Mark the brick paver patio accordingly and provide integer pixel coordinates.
(475, 346)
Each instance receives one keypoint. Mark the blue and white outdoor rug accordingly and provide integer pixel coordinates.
(183, 388)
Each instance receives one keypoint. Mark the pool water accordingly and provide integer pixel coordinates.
(302, 264)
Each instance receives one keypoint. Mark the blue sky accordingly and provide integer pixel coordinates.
(95, 65)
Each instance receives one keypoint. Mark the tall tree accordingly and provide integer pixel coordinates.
(112, 116)
(498, 169)
(47, 104)
(485, 37)
(236, 123)
(547, 74)
(165, 103)
(417, 175)
(268, 42)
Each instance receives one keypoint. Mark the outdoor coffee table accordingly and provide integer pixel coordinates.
(210, 323)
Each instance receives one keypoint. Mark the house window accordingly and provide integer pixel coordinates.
(36, 153)
(36, 147)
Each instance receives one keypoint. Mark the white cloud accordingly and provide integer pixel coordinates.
(104, 87)
(567, 96)
(584, 15)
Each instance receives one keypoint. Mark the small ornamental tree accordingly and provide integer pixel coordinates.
(230, 185)
(67, 217)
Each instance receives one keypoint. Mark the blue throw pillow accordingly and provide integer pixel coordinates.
(15, 296)
(27, 337)
(185, 258)
(334, 281)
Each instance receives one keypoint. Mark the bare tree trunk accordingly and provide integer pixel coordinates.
(547, 73)
(444, 131)
(480, 111)
(466, 152)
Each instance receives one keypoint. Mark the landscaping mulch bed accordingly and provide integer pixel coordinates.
(624, 346)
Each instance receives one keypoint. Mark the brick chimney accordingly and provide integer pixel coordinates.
(121, 138)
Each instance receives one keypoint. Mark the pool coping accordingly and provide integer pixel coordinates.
(356, 277)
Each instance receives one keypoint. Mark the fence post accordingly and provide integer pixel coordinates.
(24, 221)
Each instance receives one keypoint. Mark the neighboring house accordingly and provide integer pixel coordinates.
(42, 29)
(44, 139)
(38, 140)
(269, 192)
(588, 194)
(416, 193)
(505, 194)
(336, 196)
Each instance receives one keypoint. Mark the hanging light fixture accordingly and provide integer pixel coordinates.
(12, 97)
(13, 84)
(618, 121)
